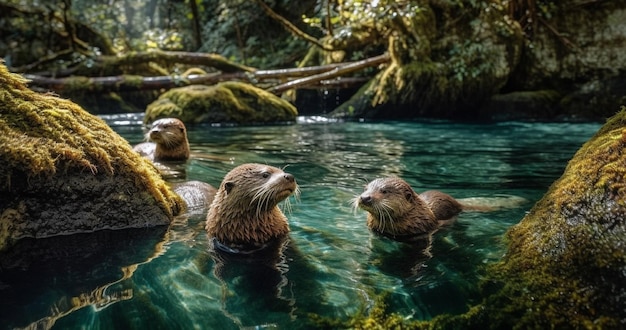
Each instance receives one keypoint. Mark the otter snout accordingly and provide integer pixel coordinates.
(289, 177)
(365, 200)
(154, 132)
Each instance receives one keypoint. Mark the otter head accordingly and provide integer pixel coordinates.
(257, 187)
(245, 208)
(394, 208)
(170, 136)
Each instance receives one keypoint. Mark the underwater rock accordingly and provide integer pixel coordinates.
(64, 171)
(227, 102)
(44, 280)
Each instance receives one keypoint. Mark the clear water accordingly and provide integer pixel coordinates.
(333, 266)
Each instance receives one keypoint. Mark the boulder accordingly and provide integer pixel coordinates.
(446, 60)
(227, 102)
(566, 261)
(64, 171)
(576, 48)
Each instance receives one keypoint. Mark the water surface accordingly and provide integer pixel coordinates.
(333, 267)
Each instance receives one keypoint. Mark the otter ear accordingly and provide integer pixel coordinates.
(229, 186)
(408, 195)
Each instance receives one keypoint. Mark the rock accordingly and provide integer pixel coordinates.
(578, 49)
(64, 171)
(566, 261)
(538, 105)
(227, 102)
(447, 61)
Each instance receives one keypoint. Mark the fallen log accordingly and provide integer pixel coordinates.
(320, 76)
(336, 72)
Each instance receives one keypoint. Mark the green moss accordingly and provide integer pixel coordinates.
(566, 263)
(376, 317)
(447, 59)
(566, 260)
(45, 137)
(224, 102)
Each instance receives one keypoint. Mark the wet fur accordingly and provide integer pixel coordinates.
(167, 141)
(244, 212)
(395, 210)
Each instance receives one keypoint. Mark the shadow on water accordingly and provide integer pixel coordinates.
(42, 280)
(264, 287)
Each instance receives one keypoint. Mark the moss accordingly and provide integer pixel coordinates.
(447, 59)
(566, 260)
(376, 317)
(48, 142)
(225, 102)
(566, 263)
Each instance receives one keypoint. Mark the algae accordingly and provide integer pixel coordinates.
(377, 316)
(64, 170)
(232, 102)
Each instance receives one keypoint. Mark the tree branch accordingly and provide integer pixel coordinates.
(338, 71)
(290, 27)
(317, 76)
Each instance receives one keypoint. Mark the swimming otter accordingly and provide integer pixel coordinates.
(243, 216)
(395, 210)
(168, 142)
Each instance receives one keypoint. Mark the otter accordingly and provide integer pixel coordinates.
(167, 142)
(396, 211)
(244, 215)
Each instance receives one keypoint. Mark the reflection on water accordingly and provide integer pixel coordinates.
(332, 266)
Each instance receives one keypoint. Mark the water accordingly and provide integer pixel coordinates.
(333, 266)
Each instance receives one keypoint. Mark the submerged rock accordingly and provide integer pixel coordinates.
(227, 102)
(64, 171)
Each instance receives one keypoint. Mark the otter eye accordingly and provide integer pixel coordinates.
(384, 191)
(265, 175)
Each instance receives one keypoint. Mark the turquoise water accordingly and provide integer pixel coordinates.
(332, 266)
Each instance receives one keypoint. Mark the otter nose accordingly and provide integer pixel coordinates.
(289, 177)
(367, 200)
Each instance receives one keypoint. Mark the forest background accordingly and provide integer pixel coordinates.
(458, 59)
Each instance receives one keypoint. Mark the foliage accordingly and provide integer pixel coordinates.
(240, 31)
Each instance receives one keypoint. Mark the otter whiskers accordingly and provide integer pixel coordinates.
(263, 198)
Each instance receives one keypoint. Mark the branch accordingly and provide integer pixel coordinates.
(317, 76)
(289, 26)
(355, 66)
(132, 61)
(212, 60)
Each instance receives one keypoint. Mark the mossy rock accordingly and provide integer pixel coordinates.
(565, 267)
(566, 260)
(64, 171)
(227, 102)
(447, 60)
